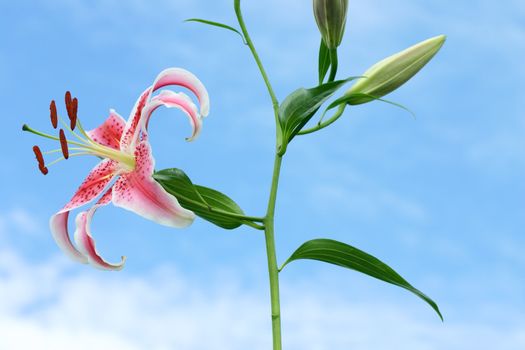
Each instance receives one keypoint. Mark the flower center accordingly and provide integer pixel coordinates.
(82, 143)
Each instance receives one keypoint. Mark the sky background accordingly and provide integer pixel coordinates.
(440, 198)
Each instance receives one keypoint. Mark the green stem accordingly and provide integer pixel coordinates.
(324, 124)
(333, 64)
(269, 233)
(253, 225)
(273, 268)
(275, 102)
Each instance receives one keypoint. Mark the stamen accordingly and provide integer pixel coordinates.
(73, 113)
(63, 144)
(59, 150)
(71, 155)
(54, 116)
(38, 155)
(82, 131)
(68, 101)
(43, 169)
(40, 159)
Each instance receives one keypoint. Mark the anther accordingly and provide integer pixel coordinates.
(68, 101)
(53, 112)
(73, 113)
(38, 155)
(43, 169)
(63, 144)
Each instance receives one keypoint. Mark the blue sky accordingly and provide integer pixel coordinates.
(440, 198)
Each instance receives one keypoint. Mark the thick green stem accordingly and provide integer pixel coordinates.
(269, 234)
(273, 268)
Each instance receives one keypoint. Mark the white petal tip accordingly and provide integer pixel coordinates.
(110, 267)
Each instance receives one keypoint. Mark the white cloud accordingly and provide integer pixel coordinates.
(22, 220)
(47, 305)
(370, 202)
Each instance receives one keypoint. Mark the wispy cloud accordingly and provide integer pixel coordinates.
(47, 305)
(22, 220)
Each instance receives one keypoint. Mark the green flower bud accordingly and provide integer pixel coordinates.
(330, 16)
(387, 75)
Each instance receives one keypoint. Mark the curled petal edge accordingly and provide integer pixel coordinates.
(59, 231)
(184, 78)
(86, 244)
(170, 76)
(172, 99)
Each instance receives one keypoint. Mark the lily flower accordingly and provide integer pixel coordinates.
(124, 175)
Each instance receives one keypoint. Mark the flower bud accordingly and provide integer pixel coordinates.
(387, 75)
(330, 16)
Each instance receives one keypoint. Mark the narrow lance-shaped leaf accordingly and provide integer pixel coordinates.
(348, 99)
(300, 106)
(344, 255)
(207, 203)
(217, 24)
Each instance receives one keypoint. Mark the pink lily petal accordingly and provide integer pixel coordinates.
(182, 77)
(110, 132)
(85, 242)
(138, 192)
(130, 134)
(58, 225)
(170, 76)
(92, 186)
(179, 100)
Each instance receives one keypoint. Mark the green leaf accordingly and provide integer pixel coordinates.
(324, 61)
(217, 24)
(356, 98)
(205, 202)
(300, 106)
(344, 255)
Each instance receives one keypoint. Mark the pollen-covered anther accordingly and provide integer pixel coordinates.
(38, 155)
(43, 169)
(73, 113)
(63, 144)
(40, 159)
(53, 114)
(68, 101)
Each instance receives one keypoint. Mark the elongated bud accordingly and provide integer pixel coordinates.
(387, 75)
(330, 16)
